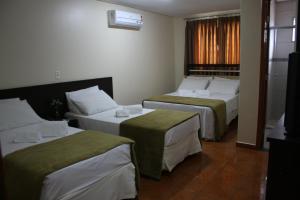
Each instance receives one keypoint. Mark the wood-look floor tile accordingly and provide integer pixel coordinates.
(221, 172)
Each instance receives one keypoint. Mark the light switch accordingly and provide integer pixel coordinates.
(57, 75)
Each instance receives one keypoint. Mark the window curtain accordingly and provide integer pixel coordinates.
(229, 43)
(212, 41)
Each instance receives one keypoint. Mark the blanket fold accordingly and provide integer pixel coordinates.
(218, 107)
(148, 131)
(26, 169)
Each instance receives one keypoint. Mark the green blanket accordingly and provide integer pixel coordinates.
(218, 106)
(26, 169)
(148, 131)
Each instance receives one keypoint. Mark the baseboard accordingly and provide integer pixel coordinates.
(245, 145)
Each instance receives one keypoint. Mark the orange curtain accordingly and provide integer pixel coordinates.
(205, 51)
(213, 41)
(230, 32)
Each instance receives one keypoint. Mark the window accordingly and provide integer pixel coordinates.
(212, 42)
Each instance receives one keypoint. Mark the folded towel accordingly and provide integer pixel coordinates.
(27, 137)
(186, 93)
(134, 109)
(53, 128)
(122, 113)
(204, 93)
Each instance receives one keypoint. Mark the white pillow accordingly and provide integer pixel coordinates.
(193, 84)
(53, 128)
(13, 100)
(93, 103)
(17, 114)
(78, 93)
(224, 86)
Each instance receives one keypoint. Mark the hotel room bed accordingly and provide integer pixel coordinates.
(207, 117)
(221, 90)
(113, 178)
(180, 141)
(163, 138)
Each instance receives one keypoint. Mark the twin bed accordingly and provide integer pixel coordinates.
(203, 95)
(173, 137)
(41, 164)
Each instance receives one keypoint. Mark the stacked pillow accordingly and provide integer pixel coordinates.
(16, 114)
(205, 85)
(193, 84)
(89, 101)
(224, 86)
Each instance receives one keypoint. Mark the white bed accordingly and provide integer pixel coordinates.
(180, 141)
(188, 88)
(108, 176)
(207, 119)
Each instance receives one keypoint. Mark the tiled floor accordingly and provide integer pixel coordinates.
(221, 172)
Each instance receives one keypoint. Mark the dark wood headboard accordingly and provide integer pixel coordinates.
(40, 96)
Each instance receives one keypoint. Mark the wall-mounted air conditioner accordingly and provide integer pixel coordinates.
(123, 19)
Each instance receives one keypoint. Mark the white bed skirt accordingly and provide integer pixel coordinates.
(117, 185)
(176, 153)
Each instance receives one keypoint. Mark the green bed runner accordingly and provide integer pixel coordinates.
(26, 169)
(148, 131)
(218, 106)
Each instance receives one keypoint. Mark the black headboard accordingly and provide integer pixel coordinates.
(40, 96)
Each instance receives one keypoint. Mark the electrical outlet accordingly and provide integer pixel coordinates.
(57, 75)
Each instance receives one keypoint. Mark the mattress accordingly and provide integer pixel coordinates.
(107, 122)
(83, 180)
(207, 119)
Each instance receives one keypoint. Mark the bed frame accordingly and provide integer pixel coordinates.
(40, 97)
(213, 69)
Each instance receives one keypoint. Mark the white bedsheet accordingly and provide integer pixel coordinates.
(207, 119)
(178, 142)
(107, 122)
(84, 179)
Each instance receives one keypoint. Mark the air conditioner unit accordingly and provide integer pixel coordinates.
(123, 19)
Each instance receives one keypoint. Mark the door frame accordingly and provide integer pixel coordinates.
(264, 67)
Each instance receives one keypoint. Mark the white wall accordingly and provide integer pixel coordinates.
(39, 37)
(249, 70)
(179, 49)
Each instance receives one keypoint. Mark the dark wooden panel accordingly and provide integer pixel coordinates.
(214, 69)
(40, 96)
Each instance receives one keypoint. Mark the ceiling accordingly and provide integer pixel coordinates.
(179, 8)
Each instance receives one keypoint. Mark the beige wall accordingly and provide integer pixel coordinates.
(179, 49)
(38, 38)
(250, 70)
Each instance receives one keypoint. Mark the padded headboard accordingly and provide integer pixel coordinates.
(40, 96)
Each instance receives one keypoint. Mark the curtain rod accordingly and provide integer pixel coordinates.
(212, 17)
